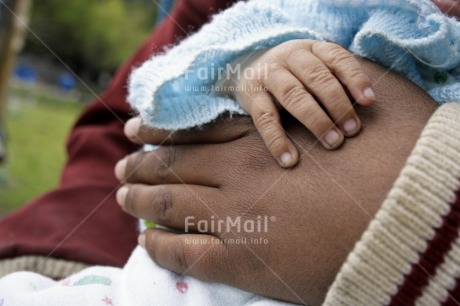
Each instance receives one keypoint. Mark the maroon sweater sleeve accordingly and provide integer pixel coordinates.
(80, 220)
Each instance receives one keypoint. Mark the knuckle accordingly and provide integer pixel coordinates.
(163, 161)
(265, 119)
(319, 75)
(356, 74)
(179, 256)
(340, 55)
(274, 66)
(327, 48)
(162, 205)
(295, 54)
(293, 97)
(275, 141)
(171, 157)
(271, 126)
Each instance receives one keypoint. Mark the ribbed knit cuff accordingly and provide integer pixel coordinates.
(51, 267)
(410, 252)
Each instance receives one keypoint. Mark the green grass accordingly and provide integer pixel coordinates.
(37, 125)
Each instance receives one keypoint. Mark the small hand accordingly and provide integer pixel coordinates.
(310, 80)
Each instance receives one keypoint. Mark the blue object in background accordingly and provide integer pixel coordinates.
(25, 73)
(66, 81)
(164, 7)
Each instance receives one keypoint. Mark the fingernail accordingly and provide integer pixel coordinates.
(141, 240)
(286, 159)
(120, 169)
(332, 137)
(121, 195)
(350, 126)
(369, 93)
(132, 127)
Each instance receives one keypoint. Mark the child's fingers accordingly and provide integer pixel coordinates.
(347, 69)
(266, 118)
(321, 83)
(292, 95)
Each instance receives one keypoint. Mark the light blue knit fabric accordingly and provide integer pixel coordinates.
(412, 37)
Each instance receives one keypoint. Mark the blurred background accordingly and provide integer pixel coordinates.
(54, 55)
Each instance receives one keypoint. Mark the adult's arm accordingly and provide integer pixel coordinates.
(79, 221)
(322, 207)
